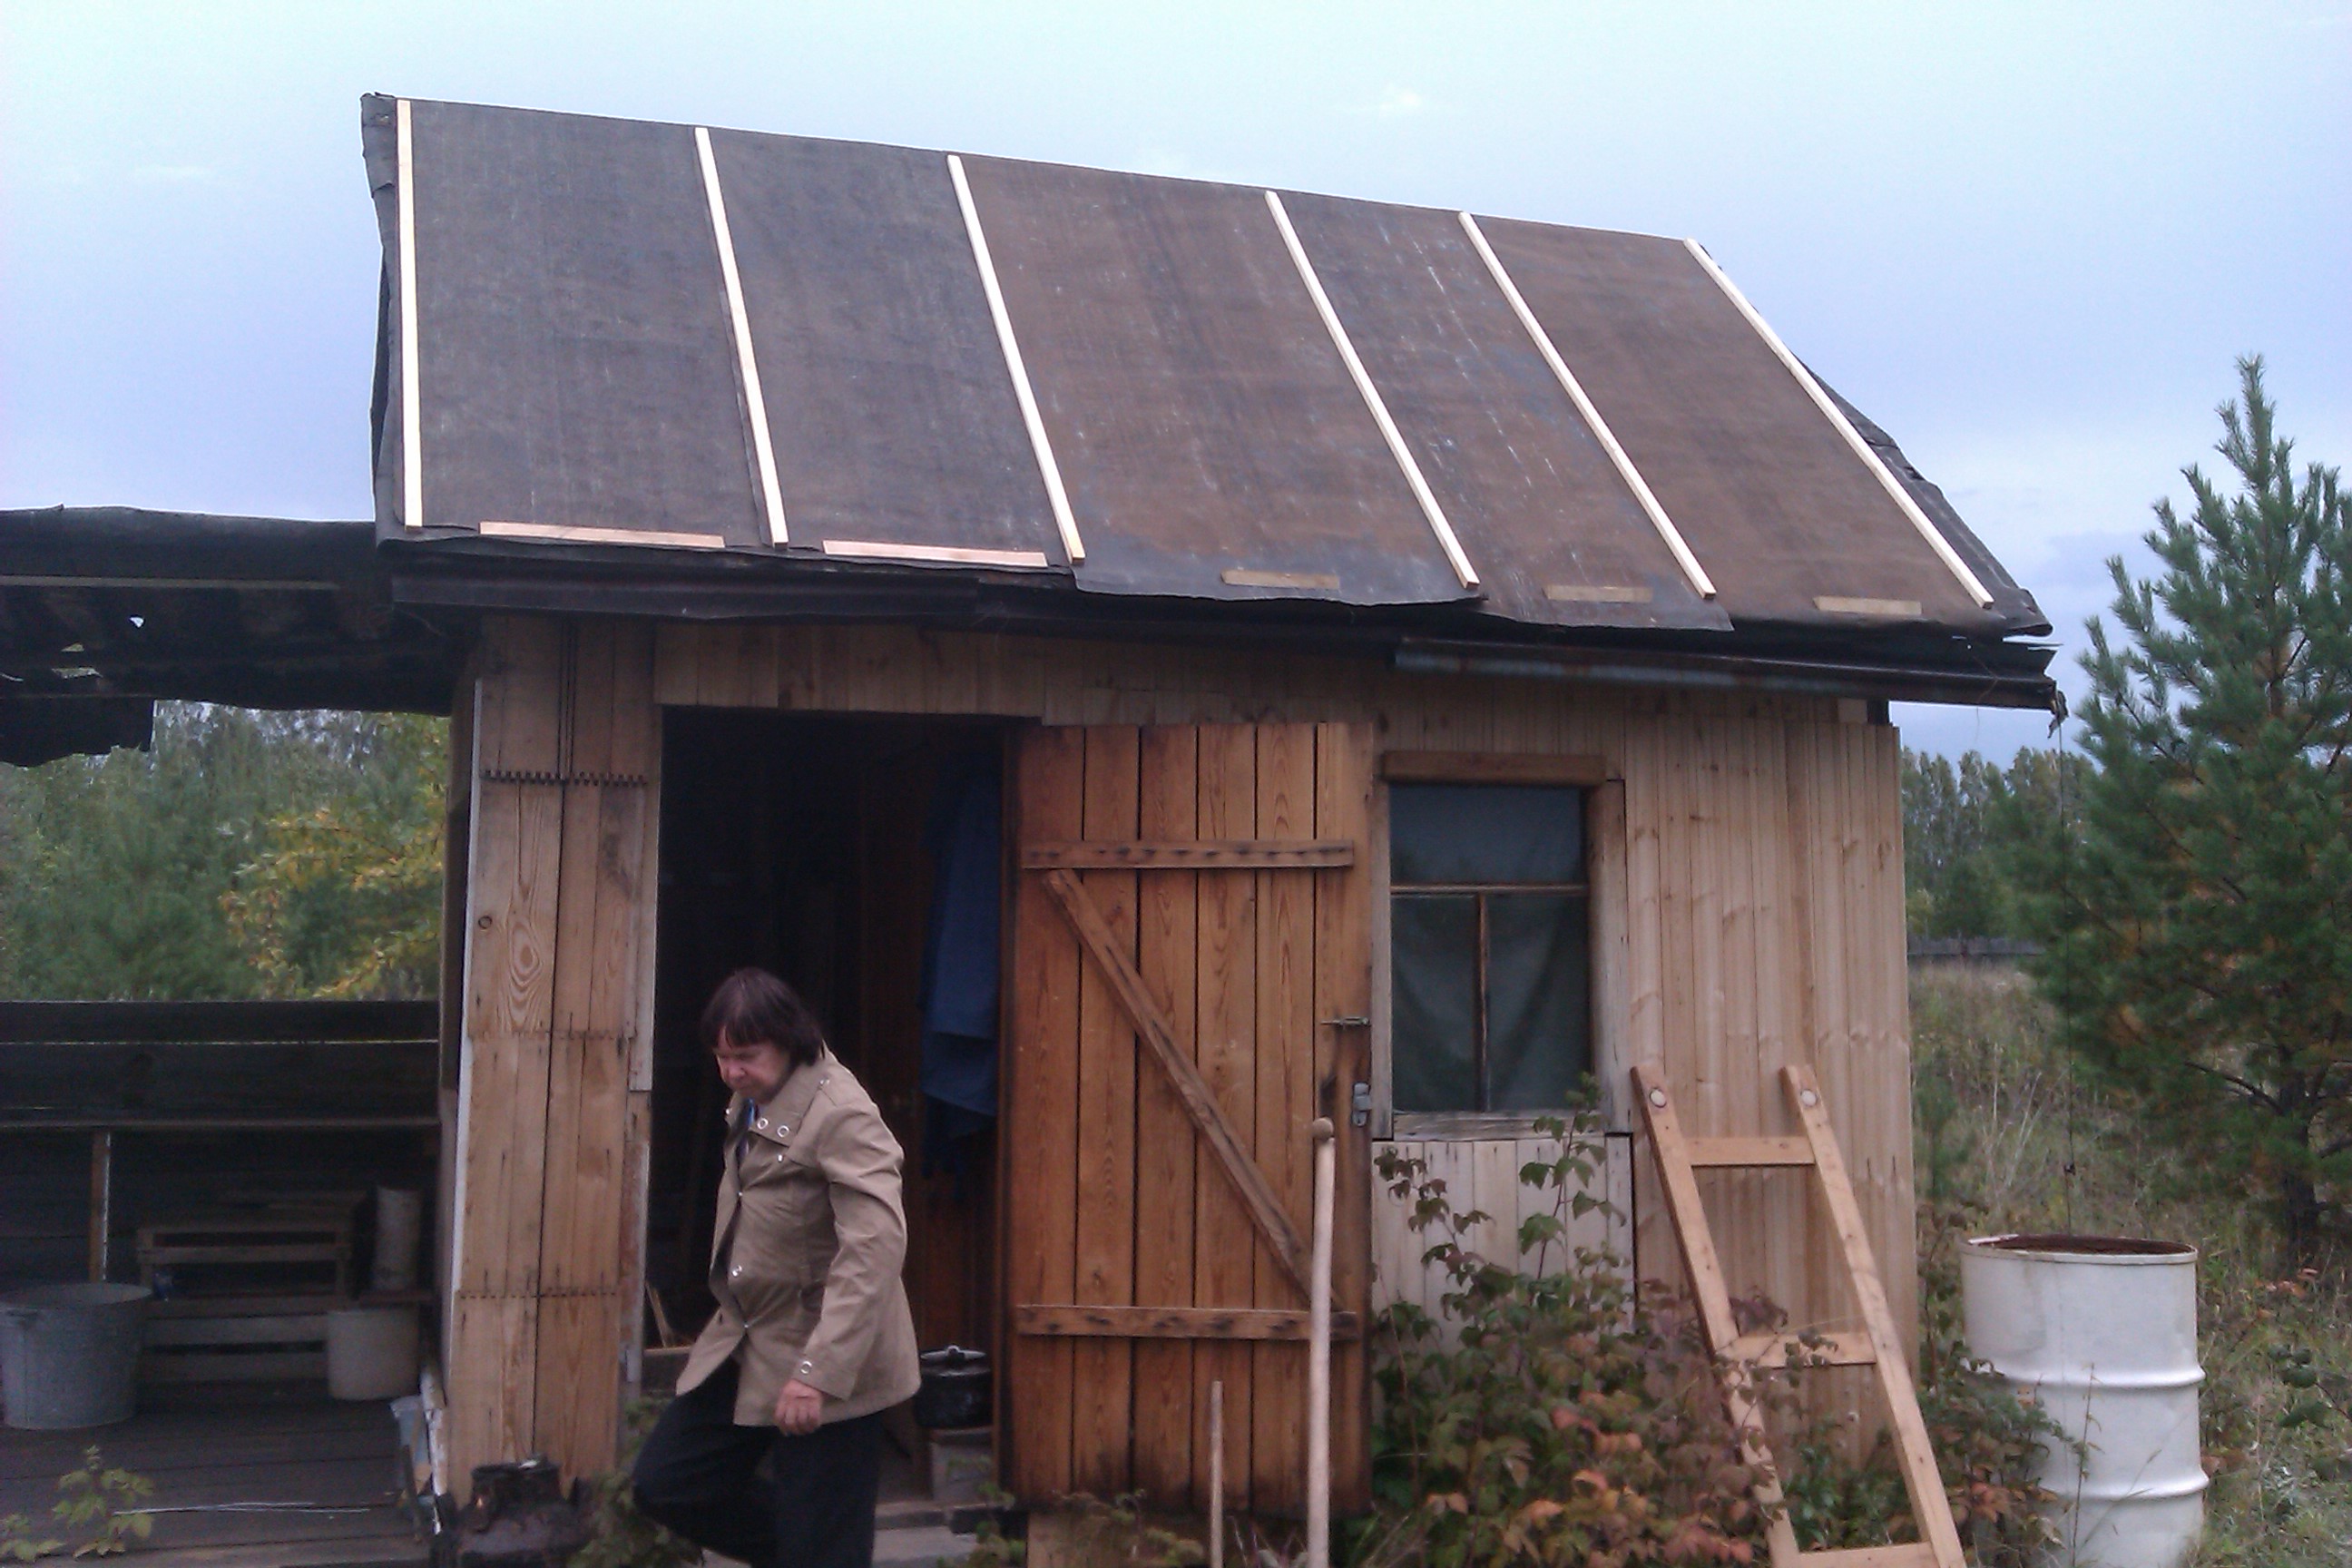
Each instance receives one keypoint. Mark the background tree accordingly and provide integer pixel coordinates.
(244, 855)
(2199, 926)
(1960, 821)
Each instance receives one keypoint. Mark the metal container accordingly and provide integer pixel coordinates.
(70, 1354)
(956, 1389)
(2103, 1331)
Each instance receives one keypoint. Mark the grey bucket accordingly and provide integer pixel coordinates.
(69, 1353)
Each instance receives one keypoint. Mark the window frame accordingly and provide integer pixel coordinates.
(1606, 923)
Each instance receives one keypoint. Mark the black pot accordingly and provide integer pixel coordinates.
(957, 1386)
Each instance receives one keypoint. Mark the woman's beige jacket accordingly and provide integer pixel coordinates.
(806, 1259)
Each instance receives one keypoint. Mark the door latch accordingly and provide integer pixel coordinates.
(1359, 1103)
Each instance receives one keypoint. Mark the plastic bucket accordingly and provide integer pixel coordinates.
(70, 1354)
(2102, 1330)
(371, 1352)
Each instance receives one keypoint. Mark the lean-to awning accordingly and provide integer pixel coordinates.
(605, 336)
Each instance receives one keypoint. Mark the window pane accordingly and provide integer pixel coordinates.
(1434, 965)
(1485, 832)
(1538, 1024)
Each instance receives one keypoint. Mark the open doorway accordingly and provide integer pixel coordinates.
(813, 847)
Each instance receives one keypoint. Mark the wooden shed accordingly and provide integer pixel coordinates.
(1408, 662)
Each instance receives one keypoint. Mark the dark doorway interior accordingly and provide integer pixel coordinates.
(799, 843)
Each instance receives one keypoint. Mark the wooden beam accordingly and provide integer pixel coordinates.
(755, 404)
(1675, 544)
(1827, 1349)
(582, 533)
(1844, 428)
(1174, 1322)
(1911, 1444)
(1200, 1104)
(1493, 767)
(1430, 511)
(937, 555)
(1910, 1554)
(412, 448)
(1048, 470)
(1741, 1153)
(1195, 855)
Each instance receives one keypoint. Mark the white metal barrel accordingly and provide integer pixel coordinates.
(2102, 1331)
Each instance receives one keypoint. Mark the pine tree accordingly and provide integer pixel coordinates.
(2198, 921)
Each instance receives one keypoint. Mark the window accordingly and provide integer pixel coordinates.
(1490, 956)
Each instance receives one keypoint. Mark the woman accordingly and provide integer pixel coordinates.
(813, 1340)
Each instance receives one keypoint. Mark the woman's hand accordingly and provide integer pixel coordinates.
(800, 1409)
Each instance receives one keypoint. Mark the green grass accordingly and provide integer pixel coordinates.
(2007, 1129)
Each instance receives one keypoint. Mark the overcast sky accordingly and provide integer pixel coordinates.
(2028, 239)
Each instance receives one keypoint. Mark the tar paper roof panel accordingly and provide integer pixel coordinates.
(1364, 409)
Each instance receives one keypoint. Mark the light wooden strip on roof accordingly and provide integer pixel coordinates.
(941, 554)
(1371, 396)
(1064, 519)
(1844, 428)
(755, 405)
(1584, 406)
(411, 419)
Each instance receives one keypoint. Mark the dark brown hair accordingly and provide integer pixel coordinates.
(752, 1005)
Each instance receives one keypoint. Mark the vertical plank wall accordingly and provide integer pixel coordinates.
(1761, 876)
(544, 1271)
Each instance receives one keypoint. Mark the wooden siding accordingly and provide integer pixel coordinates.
(1483, 1174)
(545, 1268)
(1761, 864)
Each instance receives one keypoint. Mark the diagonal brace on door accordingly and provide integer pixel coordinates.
(1158, 1036)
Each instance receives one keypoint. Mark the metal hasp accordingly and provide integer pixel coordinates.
(1740, 1357)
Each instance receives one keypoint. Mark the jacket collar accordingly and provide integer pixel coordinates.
(776, 1117)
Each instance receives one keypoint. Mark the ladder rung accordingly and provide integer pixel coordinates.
(1718, 1154)
(1910, 1555)
(1833, 1349)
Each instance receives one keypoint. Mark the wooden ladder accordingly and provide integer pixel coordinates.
(1739, 1357)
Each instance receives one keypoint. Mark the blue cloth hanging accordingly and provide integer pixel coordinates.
(961, 953)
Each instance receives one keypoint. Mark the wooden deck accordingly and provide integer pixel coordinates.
(337, 1460)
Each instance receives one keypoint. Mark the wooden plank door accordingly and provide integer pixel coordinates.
(1190, 970)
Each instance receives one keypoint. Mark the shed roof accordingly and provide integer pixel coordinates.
(743, 359)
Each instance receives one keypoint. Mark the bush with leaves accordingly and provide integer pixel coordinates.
(1560, 1426)
(99, 1502)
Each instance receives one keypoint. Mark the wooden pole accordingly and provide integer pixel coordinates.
(1217, 1473)
(1318, 1353)
(101, 1203)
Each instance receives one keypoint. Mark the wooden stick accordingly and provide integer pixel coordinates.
(412, 400)
(1928, 1504)
(1319, 1355)
(1217, 1473)
(1065, 520)
(755, 404)
(1672, 536)
(1053, 1319)
(937, 555)
(1152, 1026)
(1430, 511)
(1189, 854)
(101, 1202)
(1844, 428)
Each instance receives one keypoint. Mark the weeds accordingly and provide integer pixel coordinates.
(97, 1502)
(2012, 1139)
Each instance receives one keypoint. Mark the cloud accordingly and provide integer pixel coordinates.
(1400, 103)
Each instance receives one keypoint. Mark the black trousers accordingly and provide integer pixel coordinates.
(696, 1476)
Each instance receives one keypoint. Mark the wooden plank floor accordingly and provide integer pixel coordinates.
(337, 1459)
